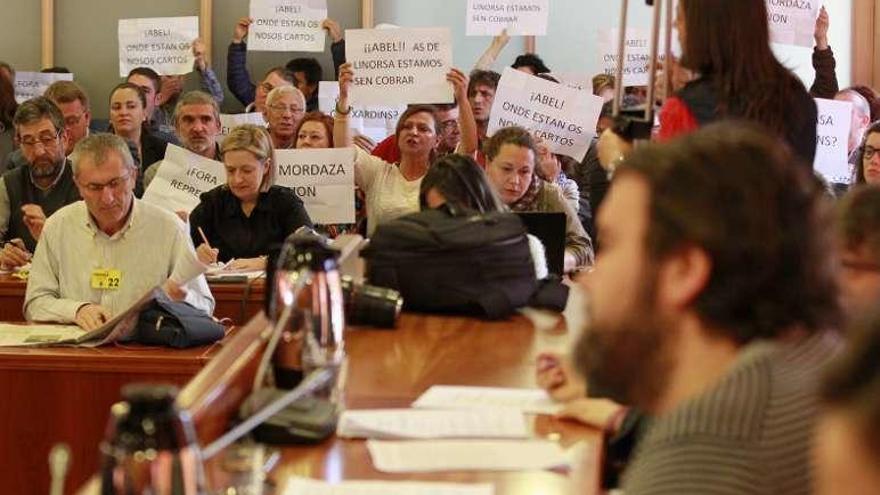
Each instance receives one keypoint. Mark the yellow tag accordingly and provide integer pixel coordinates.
(106, 279)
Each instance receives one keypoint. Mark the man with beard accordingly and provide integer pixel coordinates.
(197, 125)
(30, 194)
(481, 94)
(709, 308)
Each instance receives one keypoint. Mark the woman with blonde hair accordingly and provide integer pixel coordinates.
(242, 219)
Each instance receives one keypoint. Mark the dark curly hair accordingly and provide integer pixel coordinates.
(732, 190)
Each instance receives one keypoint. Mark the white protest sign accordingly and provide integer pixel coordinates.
(228, 121)
(832, 138)
(181, 178)
(580, 81)
(518, 17)
(399, 66)
(31, 84)
(637, 54)
(563, 117)
(375, 122)
(163, 44)
(287, 25)
(323, 179)
(793, 22)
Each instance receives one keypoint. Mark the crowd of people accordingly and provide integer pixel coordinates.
(723, 274)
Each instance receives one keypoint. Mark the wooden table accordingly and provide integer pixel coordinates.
(51, 395)
(392, 368)
(237, 301)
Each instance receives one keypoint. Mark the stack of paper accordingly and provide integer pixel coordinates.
(465, 455)
(531, 401)
(414, 423)
(301, 486)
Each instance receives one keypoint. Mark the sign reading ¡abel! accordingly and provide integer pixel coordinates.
(182, 177)
(518, 17)
(32, 84)
(637, 54)
(163, 44)
(399, 66)
(287, 25)
(323, 179)
(832, 139)
(376, 122)
(793, 22)
(563, 117)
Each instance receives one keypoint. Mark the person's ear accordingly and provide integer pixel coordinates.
(683, 276)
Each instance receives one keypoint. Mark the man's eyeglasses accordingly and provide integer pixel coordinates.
(114, 184)
(279, 108)
(47, 140)
(868, 152)
(72, 120)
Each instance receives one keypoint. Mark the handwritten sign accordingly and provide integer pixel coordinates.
(637, 54)
(793, 22)
(163, 44)
(181, 178)
(229, 121)
(832, 137)
(563, 117)
(32, 84)
(518, 17)
(323, 179)
(375, 122)
(287, 25)
(399, 66)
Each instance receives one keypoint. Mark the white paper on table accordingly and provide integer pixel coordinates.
(423, 423)
(32, 84)
(303, 486)
(181, 178)
(793, 23)
(322, 178)
(163, 44)
(410, 456)
(374, 121)
(518, 17)
(287, 25)
(530, 401)
(229, 121)
(12, 335)
(399, 66)
(832, 140)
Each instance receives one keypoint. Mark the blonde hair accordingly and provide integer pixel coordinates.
(255, 140)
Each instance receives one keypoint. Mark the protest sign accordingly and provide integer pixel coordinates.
(637, 54)
(323, 179)
(793, 22)
(563, 117)
(375, 122)
(228, 121)
(399, 66)
(518, 17)
(287, 25)
(580, 81)
(31, 84)
(163, 44)
(181, 178)
(832, 138)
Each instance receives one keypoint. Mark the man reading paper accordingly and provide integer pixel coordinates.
(96, 257)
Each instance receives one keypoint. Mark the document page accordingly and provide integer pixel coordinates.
(424, 423)
(29, 335)
(530, 401)
(411, 456)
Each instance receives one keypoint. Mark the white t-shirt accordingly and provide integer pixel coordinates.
(388, 194)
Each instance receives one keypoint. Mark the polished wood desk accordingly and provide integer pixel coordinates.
(237, 301)
(51, 395)
(390, 368)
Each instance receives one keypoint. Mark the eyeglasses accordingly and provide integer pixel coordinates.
(280, 108)
(114, 184)
(72, 120)
(868, 152)
(46, 139)
(448, 125)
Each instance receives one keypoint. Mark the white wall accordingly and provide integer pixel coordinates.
(571, 44)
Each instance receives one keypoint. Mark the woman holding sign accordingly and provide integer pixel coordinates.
(392, 190)
(239, 221)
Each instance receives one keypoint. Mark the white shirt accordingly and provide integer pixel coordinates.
(388, 194)
(146, 251)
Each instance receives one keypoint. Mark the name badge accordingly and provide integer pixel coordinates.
(106, 279)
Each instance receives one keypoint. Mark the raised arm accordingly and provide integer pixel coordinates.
(342, 136)
(466, 121)
(237, 77)
(487, 59)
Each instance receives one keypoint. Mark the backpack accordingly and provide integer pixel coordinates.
(477, 264)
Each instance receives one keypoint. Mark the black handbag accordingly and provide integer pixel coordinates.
(174, 324)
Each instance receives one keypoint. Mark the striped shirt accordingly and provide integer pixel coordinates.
(749, 434)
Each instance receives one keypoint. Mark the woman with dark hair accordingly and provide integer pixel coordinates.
(727, 44)
(868, 159)
(392, 190)
(8, 106)
(128, 120)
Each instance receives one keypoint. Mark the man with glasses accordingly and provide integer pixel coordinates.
(285, 107)
(450, 135)
(73, 102)
(33, 192)
(99, 255)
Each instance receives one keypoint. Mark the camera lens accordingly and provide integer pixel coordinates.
(371, 305)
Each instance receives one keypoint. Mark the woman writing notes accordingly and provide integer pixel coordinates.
(243, 218)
